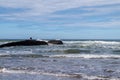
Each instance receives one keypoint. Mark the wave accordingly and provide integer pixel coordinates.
(69, 51)
(72, 75)
(104, 44)
(89, 56)
(24, 55)
(116, 51)
(69, 47)
(100, 42)
(68, 54)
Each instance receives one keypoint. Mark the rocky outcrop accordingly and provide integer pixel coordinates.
(24, 43)
(31, 43)
(55, 42)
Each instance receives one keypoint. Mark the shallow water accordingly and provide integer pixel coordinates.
(75, 60)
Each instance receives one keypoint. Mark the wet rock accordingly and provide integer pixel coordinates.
(55, 42)
(24, 43)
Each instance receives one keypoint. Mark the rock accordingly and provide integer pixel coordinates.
(55, 42)
(24, 43)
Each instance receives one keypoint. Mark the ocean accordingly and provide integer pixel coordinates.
(74, 60)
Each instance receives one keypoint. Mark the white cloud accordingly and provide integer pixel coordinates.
(42, 7)
(41, 10)
(107, 24)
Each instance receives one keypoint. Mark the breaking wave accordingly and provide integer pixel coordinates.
(86, 56)
(74, 75)
(69, 47)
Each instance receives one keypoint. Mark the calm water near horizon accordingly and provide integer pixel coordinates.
(78, 59)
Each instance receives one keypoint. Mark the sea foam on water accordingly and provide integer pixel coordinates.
(74, 60)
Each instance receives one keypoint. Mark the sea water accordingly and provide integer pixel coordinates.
(74, 60)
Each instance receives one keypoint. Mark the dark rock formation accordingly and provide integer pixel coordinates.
(55, 42)
(24, 43)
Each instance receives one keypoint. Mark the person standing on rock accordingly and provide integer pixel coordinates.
(30, 38)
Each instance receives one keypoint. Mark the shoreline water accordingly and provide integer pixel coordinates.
(74, 60)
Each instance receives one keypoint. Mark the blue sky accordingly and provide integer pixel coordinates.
(60, 19)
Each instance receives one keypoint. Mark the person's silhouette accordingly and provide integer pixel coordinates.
(30, 38)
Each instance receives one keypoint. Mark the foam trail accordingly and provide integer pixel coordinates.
(79, 75)
(86, 56)
(4, 70)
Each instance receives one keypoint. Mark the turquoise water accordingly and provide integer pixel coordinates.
(75, 60)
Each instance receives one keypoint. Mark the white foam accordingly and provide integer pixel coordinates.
(86, 56)
(4, 70)
(93, 42)
(4, 54)
(102, 42)
(79, 75)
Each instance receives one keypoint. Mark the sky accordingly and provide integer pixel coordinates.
(60, 19)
